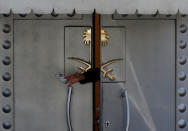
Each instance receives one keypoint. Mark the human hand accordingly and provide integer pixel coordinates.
(74, 78)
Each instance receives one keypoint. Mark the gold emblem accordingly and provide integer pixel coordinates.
(104, 37)
(104, 41)
(87, 37)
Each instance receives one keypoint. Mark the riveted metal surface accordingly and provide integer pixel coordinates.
(6, 73)
(150, 72)
(182, 69)
(40, 98)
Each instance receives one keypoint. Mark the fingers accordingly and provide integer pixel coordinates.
(71, 79)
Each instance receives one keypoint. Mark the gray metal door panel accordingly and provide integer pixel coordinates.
(40, 99)
(113, 113)
(115, 49)
(75, 47)
(150, 72)
(81, 111)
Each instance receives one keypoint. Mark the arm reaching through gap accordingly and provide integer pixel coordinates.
(91, 75)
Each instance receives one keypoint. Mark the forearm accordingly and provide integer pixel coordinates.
(90, 76)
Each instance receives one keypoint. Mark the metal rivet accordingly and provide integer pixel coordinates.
(6, 60)
(182, 76)
(183, 44)
(6, 76)
(6, 108)
(6, 92)
(6, 28)
(182, 107)
(182, 59)
(181, 123)
(182, 91)
(6, 124)
(6, 44)
(183, 28)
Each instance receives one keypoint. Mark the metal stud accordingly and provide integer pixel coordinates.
(182, 60)
(6, 60)
(6, 44)
(183, 28)
(182, 91)
(6, 76)
(6, 28)
(6, 92)
(182, 76)
(183, 44)
(6, 108)
(182, 107)
(6, 124)
(181, 123)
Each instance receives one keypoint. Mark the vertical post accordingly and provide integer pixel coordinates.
(96, 64)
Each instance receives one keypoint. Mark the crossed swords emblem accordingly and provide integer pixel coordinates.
(87, 41)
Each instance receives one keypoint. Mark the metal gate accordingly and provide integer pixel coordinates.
(152, 71)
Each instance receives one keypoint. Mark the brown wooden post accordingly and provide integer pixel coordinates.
(96, 64)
